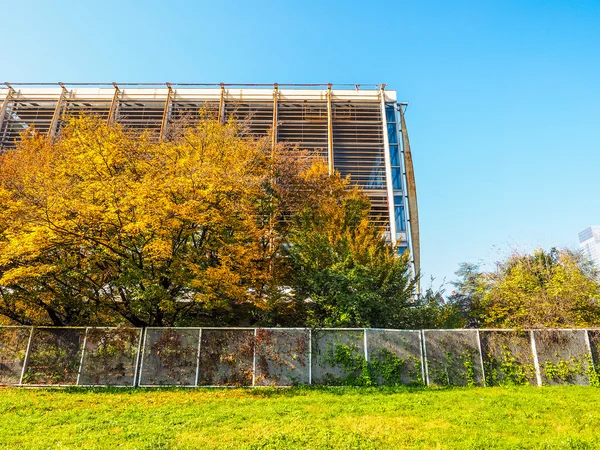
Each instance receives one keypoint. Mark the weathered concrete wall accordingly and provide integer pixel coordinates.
(45, 356)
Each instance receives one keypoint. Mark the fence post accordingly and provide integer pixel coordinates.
(141, 356)
(82, 354)
(536, 363)
(481, 358)
(310, 356)
(365, 344)
(26, 359)
(198, 356)
(589, 349)
(254, 360)
(424, 365)
(137, 358)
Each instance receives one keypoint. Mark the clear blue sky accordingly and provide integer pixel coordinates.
(504, 115)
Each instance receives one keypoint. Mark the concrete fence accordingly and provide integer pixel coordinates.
(192, 357)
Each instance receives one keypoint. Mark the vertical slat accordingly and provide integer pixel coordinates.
(413, 210)
(165, 118)
(57, 111)
(5, 103)
(275, 114)
(113, 105)
(222, 105)
(329, 131)
(388, 168)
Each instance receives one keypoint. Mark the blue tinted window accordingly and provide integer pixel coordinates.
(400, 219)
(394, 155)
(401, 250)
(390, 113)
(397, 178)
(392, 134)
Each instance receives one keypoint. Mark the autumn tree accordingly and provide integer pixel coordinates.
(103, 220)
(212, 227)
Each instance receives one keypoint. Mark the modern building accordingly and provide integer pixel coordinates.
(359, 130)
(589, 242)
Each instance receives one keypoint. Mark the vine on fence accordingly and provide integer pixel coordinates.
(385, 367)
(507, 370)
(281, 357)
(463, 370)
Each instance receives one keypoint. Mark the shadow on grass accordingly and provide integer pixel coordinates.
(263, 392)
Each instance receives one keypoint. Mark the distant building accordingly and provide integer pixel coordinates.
(589, 241)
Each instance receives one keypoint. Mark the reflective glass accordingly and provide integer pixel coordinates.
(392, 133)
(400, 219)
(394, 156)
(397, 178)
(390, 113)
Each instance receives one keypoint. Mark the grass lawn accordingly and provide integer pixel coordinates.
(320, 418)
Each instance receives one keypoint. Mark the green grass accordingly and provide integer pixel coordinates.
(470, 418)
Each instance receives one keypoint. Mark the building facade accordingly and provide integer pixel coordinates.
(589, 242)
(359, 131)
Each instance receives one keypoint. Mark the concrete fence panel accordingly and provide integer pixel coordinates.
(110, 357)
(170, 357)
(563, 356)
(282, 357)
(13, 348)
(54, 356)
(117, 356)
(395, 356)
(337, 356)
(227, 357)
(507, 357)
(453, 357)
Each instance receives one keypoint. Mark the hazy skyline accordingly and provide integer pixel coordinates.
(503, 117)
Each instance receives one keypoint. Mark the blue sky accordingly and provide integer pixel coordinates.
(504, 114)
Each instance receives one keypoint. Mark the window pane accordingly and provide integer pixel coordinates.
(397, 178)
(392, 134)
(390, 113)
(394, 156)
(400, 220)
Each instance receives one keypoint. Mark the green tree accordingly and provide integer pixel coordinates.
(543, 289)
(344, 271)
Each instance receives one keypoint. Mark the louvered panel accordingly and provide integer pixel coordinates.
(255, 117)
(75, 107)
(143, 114)
(379, 208)
(358, 151)
(304, 124)
(21, 115)
(186, 111)
(358, 143)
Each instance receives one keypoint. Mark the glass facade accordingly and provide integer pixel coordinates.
(397, 176)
